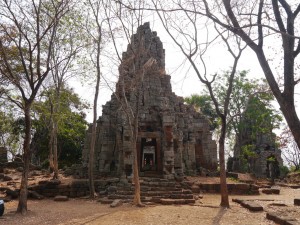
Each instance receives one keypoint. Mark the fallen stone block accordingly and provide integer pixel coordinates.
(277, 204)
(295, 186)
(297, 201)
(278, 219)
(116, 203)
(13, 193)
(35, 195)
(6, 178)
(61, 198)
(239, 201)
(106, 201)
(252, 206)
(270, 191)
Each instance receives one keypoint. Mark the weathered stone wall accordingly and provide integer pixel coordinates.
(76, 188)
(180, 136)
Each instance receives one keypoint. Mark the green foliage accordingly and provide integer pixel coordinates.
(284, 170)
(294, 169)
(71, 127)
(259, 117)
(11, 128)
(271, 159)
(248, 151)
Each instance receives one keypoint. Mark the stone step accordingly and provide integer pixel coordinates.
(155, 192)
(145, 188)
(159, 184)
(152, 179)
(154, 195)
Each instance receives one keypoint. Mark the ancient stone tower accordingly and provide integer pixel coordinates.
(173, 139)
(255, 150)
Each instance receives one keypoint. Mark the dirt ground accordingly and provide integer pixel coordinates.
(206, 211)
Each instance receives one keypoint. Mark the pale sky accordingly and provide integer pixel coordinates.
(183, 78)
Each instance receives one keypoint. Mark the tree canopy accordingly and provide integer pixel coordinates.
(71, 127)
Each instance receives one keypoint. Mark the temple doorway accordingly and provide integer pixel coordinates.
(148, 159)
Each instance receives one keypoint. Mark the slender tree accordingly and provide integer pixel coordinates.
(192, 48)
(28, 28)
(68, 43)
(95, 29)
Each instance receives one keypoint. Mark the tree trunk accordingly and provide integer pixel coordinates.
(136, 178)
(290, 115)
(22, 206)
(93, 139)
(51, 139)
(91, 162)
(223, 183)
(55, 154)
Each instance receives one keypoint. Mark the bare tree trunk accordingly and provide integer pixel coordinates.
(289, 112)
(56, 110)
(51, 139)
(93, 139)
(223, 183)
(22, 206)
(55, 158)
(91, 161)
(136, 178)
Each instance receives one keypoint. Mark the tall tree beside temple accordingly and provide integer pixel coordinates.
(184, 32)
(26, 44)
(270, 29)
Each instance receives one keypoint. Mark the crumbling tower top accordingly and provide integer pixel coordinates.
(144, 45)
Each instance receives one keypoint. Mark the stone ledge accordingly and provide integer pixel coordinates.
(279, 219)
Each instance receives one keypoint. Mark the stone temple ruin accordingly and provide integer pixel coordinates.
(173, 139)
(264, 159)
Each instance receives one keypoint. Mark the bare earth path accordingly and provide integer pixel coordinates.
(206, 211)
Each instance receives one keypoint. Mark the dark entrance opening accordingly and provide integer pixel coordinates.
(148, 156)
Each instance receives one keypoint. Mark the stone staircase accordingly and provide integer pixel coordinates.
(153, 190)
